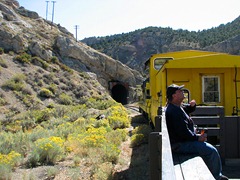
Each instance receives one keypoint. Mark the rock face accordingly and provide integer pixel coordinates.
(74, 53)
(23, 30)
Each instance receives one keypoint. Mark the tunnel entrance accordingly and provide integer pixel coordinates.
(119, 91)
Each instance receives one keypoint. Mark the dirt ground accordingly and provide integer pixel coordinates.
(134, 162)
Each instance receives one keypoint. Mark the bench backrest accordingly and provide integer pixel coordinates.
(212, 118)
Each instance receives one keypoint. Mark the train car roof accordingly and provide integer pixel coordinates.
(198, 59)
(188, 53)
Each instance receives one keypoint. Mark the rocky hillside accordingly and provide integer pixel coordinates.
(24, 31)
(134, 48)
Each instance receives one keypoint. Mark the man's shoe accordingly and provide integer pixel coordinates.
(223, 177)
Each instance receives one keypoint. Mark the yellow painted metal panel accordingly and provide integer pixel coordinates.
(188, 67)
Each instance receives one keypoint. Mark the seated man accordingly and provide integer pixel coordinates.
(183, 137)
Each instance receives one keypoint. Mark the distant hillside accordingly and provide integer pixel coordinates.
(135, 47)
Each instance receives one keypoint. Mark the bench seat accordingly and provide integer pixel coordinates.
(189, 167)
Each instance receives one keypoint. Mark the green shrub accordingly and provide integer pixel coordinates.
(103, 171)
(2, 100)
(65, 99)
(40, 62)
(66, 68)
(137, 139)
(17, 142)
(46, 93)
(1, 50)
(55, 60)
(143, 129)
(3, 63)
(111, 153)
(43, 115)
(23, 58)
(52, 172)
(52, 87)
(16, 83)
(5, 171)
(47, 151)
(116, 136)
(99, 104)
(102, 123)
(140, 135)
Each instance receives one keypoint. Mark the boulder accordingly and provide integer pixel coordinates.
(36, 49)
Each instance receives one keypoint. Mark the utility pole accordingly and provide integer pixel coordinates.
(47, 9)
(76, 28)
(53, 10)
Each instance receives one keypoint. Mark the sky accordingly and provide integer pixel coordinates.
(88, 18)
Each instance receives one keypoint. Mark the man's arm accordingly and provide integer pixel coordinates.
(188, 108)
(178, 126)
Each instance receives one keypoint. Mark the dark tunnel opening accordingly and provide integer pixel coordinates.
(120, 93)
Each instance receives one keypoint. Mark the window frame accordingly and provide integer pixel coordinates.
(159, 62)
(218, 88)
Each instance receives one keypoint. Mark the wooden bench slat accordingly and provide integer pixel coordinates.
(199, 172)
(208, 110)
(206, 120)
(190, 166)
(178, 172)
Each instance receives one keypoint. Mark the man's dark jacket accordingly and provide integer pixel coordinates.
(180, 125)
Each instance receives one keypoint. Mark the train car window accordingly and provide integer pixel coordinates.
(159, 62)
(211, 89)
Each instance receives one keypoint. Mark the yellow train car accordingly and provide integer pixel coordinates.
(211, 78)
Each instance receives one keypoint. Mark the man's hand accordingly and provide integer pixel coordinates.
(192, 102)
(202, 137)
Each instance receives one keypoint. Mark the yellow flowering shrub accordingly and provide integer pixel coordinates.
(11, 159)
(93, 137)
(47, 151)
(118, 117)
